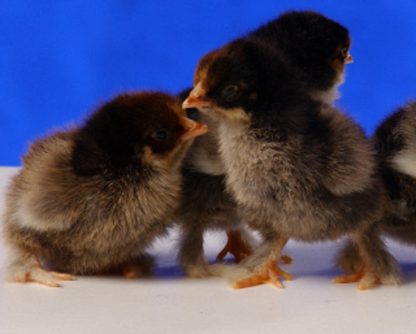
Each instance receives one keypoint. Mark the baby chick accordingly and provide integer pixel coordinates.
(317, 45)
(205, 203)
(395, 144)
(296, 167)
(92, 199)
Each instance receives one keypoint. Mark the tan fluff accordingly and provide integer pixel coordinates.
(100, 212)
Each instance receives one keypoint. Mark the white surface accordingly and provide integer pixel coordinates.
(171, 303)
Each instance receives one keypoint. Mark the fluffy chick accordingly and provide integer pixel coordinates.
(316, 45)
(395, 144)
(297, 168)
(319, 48)
(205, 204)
(92, 199)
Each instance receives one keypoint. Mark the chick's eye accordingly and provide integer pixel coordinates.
(160, 135)
(230, 93)
(344, 52)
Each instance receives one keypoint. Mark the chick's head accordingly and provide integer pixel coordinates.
(310, 37)
(132, 130)
(242, 78)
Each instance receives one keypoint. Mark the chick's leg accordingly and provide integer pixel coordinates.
(24, 269)
(240, 248)
(236, 246)
(191, 253)
(378, 265)
(264, 269)
(349, 259)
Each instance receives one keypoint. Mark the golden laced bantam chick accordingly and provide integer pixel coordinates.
(296, 167)
(92, 199)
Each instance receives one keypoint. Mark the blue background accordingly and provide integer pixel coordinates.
(61, 59)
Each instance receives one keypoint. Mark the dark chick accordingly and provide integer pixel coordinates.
(93, 199)
(205, 204)
(317, 45)
(319, 48)
(395, 144)
(297, 168)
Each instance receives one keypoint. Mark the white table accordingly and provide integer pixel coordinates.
(171, 303)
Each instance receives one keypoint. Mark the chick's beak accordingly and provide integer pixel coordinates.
(196, 102)
(349, 59)
(197, 99)
(193, 129)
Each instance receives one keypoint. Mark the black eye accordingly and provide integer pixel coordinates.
(160, 135)
(230, 93)
(344, 52)
(193, 114)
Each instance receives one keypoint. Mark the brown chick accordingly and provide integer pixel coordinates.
(296, 167)
(92, 199)
(206, 205)
(319, 48)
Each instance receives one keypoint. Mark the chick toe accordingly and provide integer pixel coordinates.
(31, 271)
(41, 276)
(368, 281)
(350, 278)
(269, 275)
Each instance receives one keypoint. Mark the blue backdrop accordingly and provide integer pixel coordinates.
(60, 59)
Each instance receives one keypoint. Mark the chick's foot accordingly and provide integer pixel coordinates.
(365, 280)
(269, 275)
(349, 278)
(35, 273)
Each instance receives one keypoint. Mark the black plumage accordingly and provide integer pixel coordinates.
(317, 45)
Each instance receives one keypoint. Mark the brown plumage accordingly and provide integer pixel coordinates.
(296, 167)
(93, 199)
